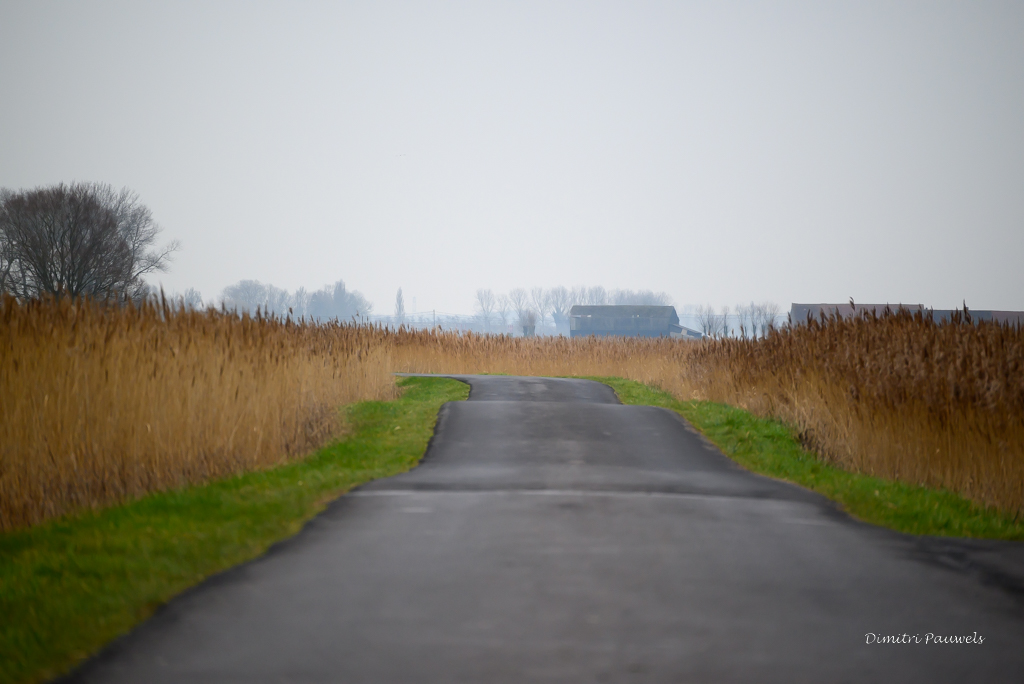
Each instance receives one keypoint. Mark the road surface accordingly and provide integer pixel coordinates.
(554, 535)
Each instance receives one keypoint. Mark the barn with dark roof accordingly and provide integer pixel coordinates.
(625, 321)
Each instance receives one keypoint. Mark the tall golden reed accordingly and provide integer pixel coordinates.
(897, 396)
(103, 403)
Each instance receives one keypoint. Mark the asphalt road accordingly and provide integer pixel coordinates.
(553, 535)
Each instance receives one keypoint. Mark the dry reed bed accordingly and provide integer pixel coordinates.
(896, 396)
(101, 403)
(650, 360)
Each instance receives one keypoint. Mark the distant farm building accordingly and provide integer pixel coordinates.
(799, 312)
(627, 321)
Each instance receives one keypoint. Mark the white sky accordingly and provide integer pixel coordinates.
(721, 152)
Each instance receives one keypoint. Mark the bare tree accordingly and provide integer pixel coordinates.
(485, 303)
(399, 308)
(76, 240)
(763, 317)
(137, 228)
(541, 303)
(192, 299)
(771, 315)
(10, 272)
(528, 321)
(560, 301)
(742, 314)
(708, 319)
(724, 321)
(520, 302)
(754, 313)
(597, 296)
(300, 303)
(503, 309)
(278, 300)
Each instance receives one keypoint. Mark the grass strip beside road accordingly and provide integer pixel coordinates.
(69, 586)
(771, 448)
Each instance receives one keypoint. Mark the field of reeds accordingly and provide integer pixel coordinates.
(101, 404)
(895, 396)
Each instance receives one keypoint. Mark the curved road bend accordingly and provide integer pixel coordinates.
(553, 535)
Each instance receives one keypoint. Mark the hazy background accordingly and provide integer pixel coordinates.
(721, 152)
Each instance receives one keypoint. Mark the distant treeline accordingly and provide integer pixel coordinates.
(546, 310)
(744, 320)
(329, 302)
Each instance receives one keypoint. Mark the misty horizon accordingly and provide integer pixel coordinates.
(721, 153)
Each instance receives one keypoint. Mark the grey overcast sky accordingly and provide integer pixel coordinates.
(720, 151)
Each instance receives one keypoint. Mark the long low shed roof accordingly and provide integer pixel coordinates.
(668, 312)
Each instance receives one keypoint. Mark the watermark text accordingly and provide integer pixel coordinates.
(928, 638)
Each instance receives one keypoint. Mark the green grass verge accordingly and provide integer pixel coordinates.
(771, 448)
(69, 586)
